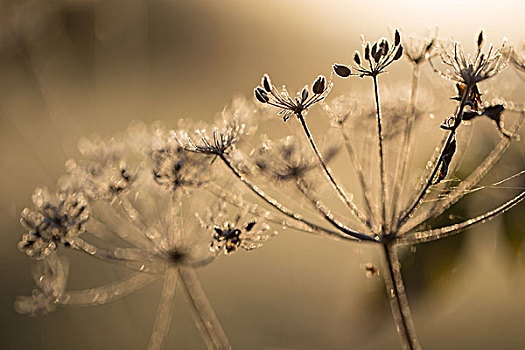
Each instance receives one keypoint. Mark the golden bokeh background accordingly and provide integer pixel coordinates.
(74, 68)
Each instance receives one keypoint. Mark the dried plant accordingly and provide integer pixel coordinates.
(161, 202)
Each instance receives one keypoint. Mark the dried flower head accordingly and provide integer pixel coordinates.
(175, 167)
(234, 121)
(267, 94)
(289, 159)
(375, 59)
(51, 276)
(103, 173)
(418, 49)
(228, 235)
(471, 69)
(57, 218)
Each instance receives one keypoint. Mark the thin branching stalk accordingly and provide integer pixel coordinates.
(442, 232)
(345, 234)
(253, 209)
(205, 317)
(475, 176)
(106, 294)
(359, 171)
(162, 322)
(340, 192)
(406, 148)
(381, 156)
(325, 213)
(395, 290)
(408, 212)
(108, 214)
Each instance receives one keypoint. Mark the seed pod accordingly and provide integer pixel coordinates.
(378, 55)
(429, 46)
(266, 83)
(480, 39)
(374, 50)
(397, 38)
(304, 94)
(399, 53)
(384, 46)
(446, 159)
(261, 95)
(367, 51)
(357, 59)
(342, 70)
(319, 85)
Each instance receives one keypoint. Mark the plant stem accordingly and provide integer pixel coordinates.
(341, 193)
(395, 290)
(458, 117)
(162, 322)
(384, 224)
(406, 143)
(325, 213)
(207, 322)
(345, 233)
(359, 171)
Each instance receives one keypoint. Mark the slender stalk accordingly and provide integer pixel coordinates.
(406, 143)
(340, 192)
(481, 170)
(326, 214)
(359, 171)
(253, 209)
(442, 232)
(207, 322)
(106, 294)
(398, 299)
(381, 156)
(162, 322)
(345, 233)
(408, 212)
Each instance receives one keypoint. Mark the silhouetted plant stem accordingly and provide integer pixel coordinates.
(397, 297)
(384, 224)
(340, 192)
(408, 212)
(406, 140)
(205, 317)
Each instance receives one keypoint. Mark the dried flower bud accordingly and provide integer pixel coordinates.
(319, 85)
(261, 95)
(266, 83)
(384, 46)
(374, 51)
(342, 70)
(357, 59)
(429, 46)
(367, 52)
(397, 38)
(378, 55)
(480, 38)
(304, 93)
(399, 53)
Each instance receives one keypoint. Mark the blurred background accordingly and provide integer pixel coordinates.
(74, 68)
